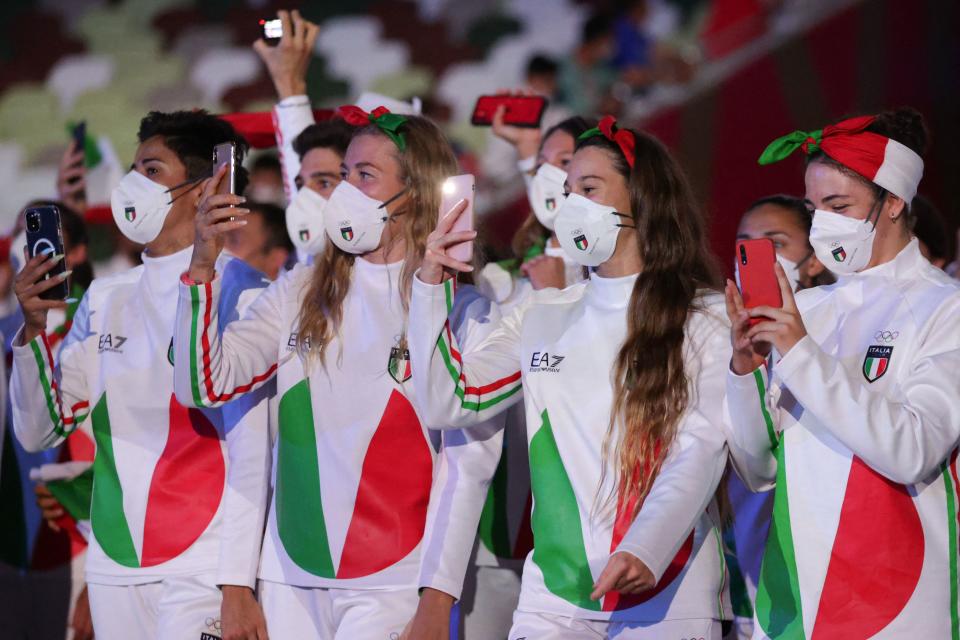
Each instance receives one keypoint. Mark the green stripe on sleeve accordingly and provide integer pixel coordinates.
(52, 410)
(952, 543)
(480, 405)
(767, 420)
(194, 372)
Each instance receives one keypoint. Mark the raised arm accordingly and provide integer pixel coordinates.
(905, 439)
(287, 64)
(48, 399)
(213, 365)
(457, 388)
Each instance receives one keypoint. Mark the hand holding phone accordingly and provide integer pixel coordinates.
(758, 281)
(519, 110)
(455, 189)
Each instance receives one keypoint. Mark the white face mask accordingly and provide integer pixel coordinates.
(843, 244)
(354, 220)
(588, 231)
(305, 221)
(792, 269)
(545, 192)
(140, 206)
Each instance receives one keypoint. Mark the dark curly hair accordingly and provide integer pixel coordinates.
(192, 135)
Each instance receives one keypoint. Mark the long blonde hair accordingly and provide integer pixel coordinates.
(651, 387)
(425, 162)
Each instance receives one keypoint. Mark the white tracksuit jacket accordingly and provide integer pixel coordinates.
(354, 469)
(858, 427)
(161, 471)
(560, 346)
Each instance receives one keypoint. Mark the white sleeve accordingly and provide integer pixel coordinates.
(456, 388)
(690, 474)
(211, 368)
(49, 400)
(247, 423)
(466, 464)
(290, 117)
(752, 426)
(904, 440)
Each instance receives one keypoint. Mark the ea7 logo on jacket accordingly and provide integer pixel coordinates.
(111, 342)
(543, 361)
(876, 362)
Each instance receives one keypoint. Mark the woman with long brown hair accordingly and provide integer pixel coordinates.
(622, 380)
(353, 465)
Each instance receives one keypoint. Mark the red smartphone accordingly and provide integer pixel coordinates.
(521, 111)
(758, 281)
(455, 189)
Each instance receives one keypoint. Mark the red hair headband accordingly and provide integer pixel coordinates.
(388, 123)
(623, 138)
(884, 161)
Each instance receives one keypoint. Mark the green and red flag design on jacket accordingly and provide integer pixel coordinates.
(874, 565)
(559, 549)
(390, 509)
(185, 490)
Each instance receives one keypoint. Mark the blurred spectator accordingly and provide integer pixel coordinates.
(321, 148)
(263, 242)
(586, 77)
(634, 47)
(937, 241)
(541, 76)
(266, 180)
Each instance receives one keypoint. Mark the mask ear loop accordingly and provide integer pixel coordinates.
(391, 216)
(183, 184)
(878, 207)
(623, 215)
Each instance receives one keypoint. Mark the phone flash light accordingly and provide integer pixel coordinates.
(448, 187)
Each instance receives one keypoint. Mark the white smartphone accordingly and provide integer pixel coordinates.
(455, 189)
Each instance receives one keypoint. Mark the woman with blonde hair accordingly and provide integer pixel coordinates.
(353, 465)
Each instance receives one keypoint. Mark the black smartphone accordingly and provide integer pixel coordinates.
(79, 133)
(45, 236)
(272, 31)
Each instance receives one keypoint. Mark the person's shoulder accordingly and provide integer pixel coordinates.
(106, 285)
(237, 273)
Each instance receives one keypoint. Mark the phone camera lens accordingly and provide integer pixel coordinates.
(33, 221)
(743, 255)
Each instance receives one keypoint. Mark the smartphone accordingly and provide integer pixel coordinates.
(45, 236)
(455, 189)
(225, 153)
(272, 31)
(521, 111)
(79, 134)
(758, 281)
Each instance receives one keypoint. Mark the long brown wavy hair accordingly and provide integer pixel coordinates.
(651, 387)
(424, 164)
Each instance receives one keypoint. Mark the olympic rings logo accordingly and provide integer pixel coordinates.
(886, 336)
(213, 623)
